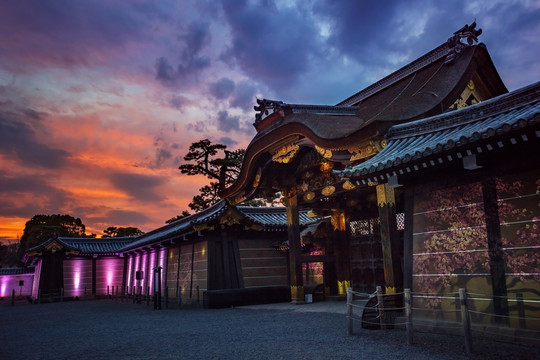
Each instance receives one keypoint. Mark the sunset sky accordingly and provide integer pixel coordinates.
(99, 100)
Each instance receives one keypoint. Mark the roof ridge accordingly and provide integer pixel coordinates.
(491, 107)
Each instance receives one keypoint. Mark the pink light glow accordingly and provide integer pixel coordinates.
(130, 266)
(3, 291)
(143, 268)
(162, 255)
(152, 257)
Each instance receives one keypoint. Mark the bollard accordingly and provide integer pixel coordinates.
(349, 311)
(13, 297)
(465, 320)
(408, 314)
(380, 306)
(147, 295)
(109, 296)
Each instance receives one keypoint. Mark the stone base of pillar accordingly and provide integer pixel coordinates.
(297, 294)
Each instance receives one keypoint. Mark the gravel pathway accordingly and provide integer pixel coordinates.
(107, 329)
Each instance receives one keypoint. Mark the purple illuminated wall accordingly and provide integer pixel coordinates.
(109, 272)
(8, 283)
(77, 277)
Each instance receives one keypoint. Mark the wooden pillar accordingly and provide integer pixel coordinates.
(497, 265)
(342, 251)
(408, 239)
(389, 238)
(293, 232)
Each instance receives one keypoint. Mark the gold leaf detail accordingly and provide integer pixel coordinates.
(309, 196)
(347, 185)
(329, 190)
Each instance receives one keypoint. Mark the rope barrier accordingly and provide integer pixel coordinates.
(506, 316)
(490, 297)
(436, 310)
(434, 297)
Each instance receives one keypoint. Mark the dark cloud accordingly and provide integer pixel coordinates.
(244, 96)
(22, 136)
(227, 123)
(271, 45)
(126, 218)
(140, 187)
(222, 88)
(178, 102)
(46, 199)
(198, 126)
(70, 32)
(192, 41)
(228, 141)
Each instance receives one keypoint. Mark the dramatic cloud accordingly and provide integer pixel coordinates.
(22, 135)
(140, 187)
(100, 100)
(222, 88)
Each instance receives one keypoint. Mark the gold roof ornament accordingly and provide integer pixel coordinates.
(309, 196)
(325, 153)
(347, 185)
(285, 154)
(328, 190)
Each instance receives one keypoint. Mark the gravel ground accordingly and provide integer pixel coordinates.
(106, 329)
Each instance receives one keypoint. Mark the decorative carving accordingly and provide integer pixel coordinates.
(309, 196)
(328, 190)
(265, 105)
(326, 166)
(325, 153)
(338, 220)
(367, 149)
(456, 46)
(469, 96)
(230, 217)
(385, 195)
(286, 153)
(347, 185)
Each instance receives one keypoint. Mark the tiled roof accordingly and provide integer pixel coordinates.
(273, 217)
(269, 218)
(87, 245)
(454, 130)
(98, 246)
(17, 270)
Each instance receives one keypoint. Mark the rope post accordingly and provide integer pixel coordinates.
(147, 295)
(380, 306)
(178, 296)
(349, 311)
(465, 320)
(62, 295)
(13, 297)
(521, 310)
(408, 314)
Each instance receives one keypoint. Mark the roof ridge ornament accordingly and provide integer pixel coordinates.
(264, 105)
(456, 46)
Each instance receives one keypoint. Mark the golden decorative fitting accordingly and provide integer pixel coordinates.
(311, 214)
(347, 185)
(328, 190)
(285, 154)
(385, 195)
(372, 183)
(297, 293)
(230, 217)
(257, 178)
(342, 286)
(309, 196)
(338, 220)
(325, 153)
(326, 166)
(390, 290)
